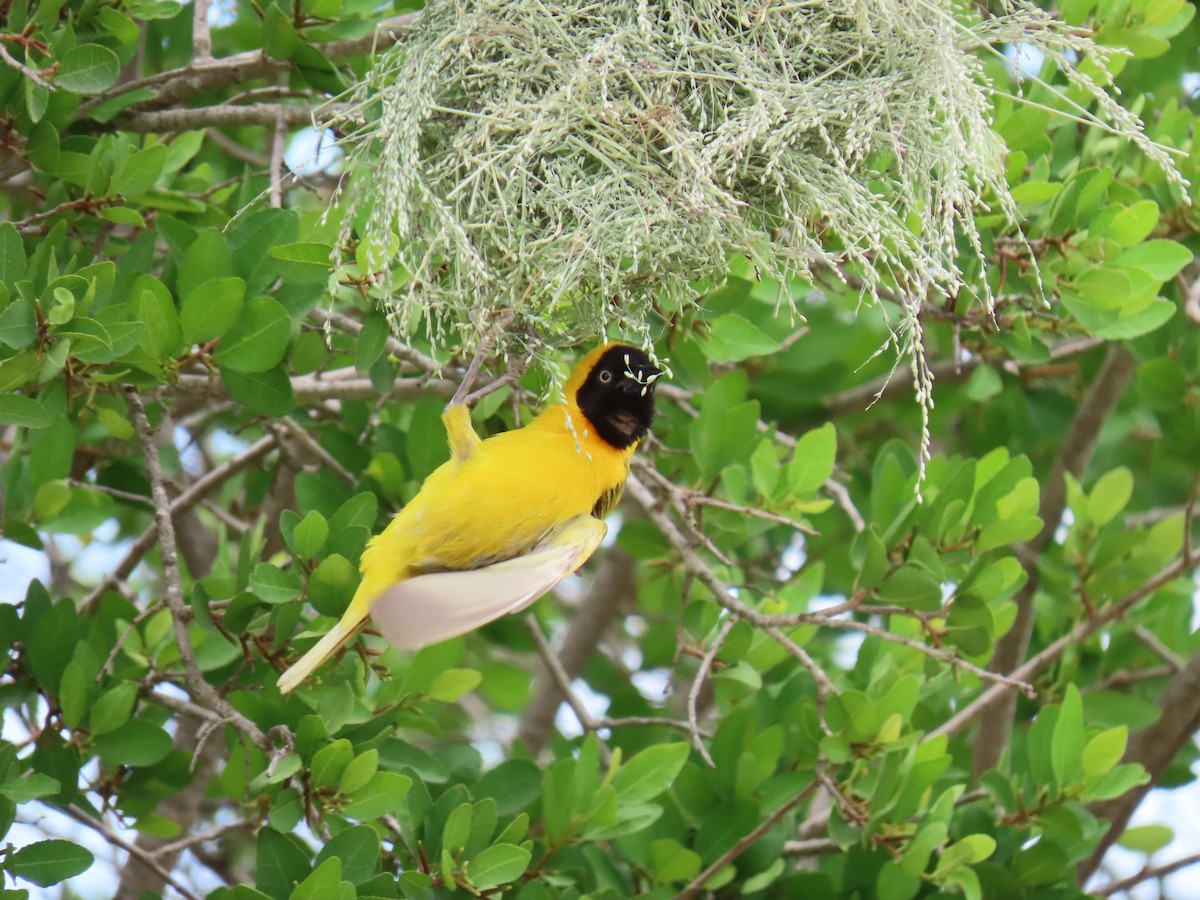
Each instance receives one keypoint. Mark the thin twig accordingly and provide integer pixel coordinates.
(275, 176)
(106, 669)
(744, 843)
(1173, 660)
(550, 661)
(185, 501)
(1146, 874)
(32, 74)
(201, 35)
(215, 833)
(197, 685)
(142, 856)
(706, 665)
(825, 685)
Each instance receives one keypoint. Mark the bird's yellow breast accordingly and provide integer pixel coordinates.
(517, 488)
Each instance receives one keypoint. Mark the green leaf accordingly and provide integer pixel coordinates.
(1162, 384)
(332, 584)
(1109, 496)
(87, 69)
(359, 772)
(211, 309)
(259, 338)
(1104, 750)
(725, 426)
(1041, 863)
(272, 584)
(514, 784)
(304, 263)
(280, 864)
(1007, 532)
(29, 787)
(498, 864)
(322, 883)
(358, 848)
(1119, 780)
(18, 323)
(86, 510)
(672, 862)
(267, 393)
(912, 586)
(1161, 258)
(151, 304)
(457, 830)
(23, 411)
(371, 341)
(136, 743)
(1148, 839)
(650, 772)
(310, 534)
(449, 685)
(138, 173)
(382, 795)
(972, 849)
(48, 862)
(207, 258)
(112, 709)
(12, 255)
(331, 761)
(1066, 747)
(733, 339)
(1134, 223)
(984, 384)
(813, 460)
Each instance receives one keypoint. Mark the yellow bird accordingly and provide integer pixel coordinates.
(505, 519)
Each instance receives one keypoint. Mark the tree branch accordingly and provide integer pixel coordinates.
(995, 729)
(199, 389)
(180, 85)
(185, 119)
(1156, 745)
(997, 692)
(859, 397)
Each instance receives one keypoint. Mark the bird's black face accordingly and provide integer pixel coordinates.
(617, 397)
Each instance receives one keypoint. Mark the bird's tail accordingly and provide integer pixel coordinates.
(343, 631)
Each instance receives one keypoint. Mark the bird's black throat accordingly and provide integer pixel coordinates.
(617, 397)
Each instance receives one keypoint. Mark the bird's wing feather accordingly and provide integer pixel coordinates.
(424, 610)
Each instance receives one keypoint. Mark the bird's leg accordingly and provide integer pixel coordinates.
(485, 347)
(460, 433)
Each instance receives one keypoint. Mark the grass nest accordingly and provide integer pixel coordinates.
(591, 165)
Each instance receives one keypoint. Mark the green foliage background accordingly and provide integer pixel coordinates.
(816, 732)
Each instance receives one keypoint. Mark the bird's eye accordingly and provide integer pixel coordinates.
(605, 376)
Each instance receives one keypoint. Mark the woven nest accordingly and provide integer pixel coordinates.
(590, 164)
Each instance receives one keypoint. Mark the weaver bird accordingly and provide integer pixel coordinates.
(505, 519)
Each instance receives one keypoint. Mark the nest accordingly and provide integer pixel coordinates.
(593, 164)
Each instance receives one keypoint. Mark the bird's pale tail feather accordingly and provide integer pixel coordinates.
(321, 651)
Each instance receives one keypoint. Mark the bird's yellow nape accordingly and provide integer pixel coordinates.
(420, 611)
(586, 363)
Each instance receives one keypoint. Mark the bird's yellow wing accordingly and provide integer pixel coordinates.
(427, 609)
